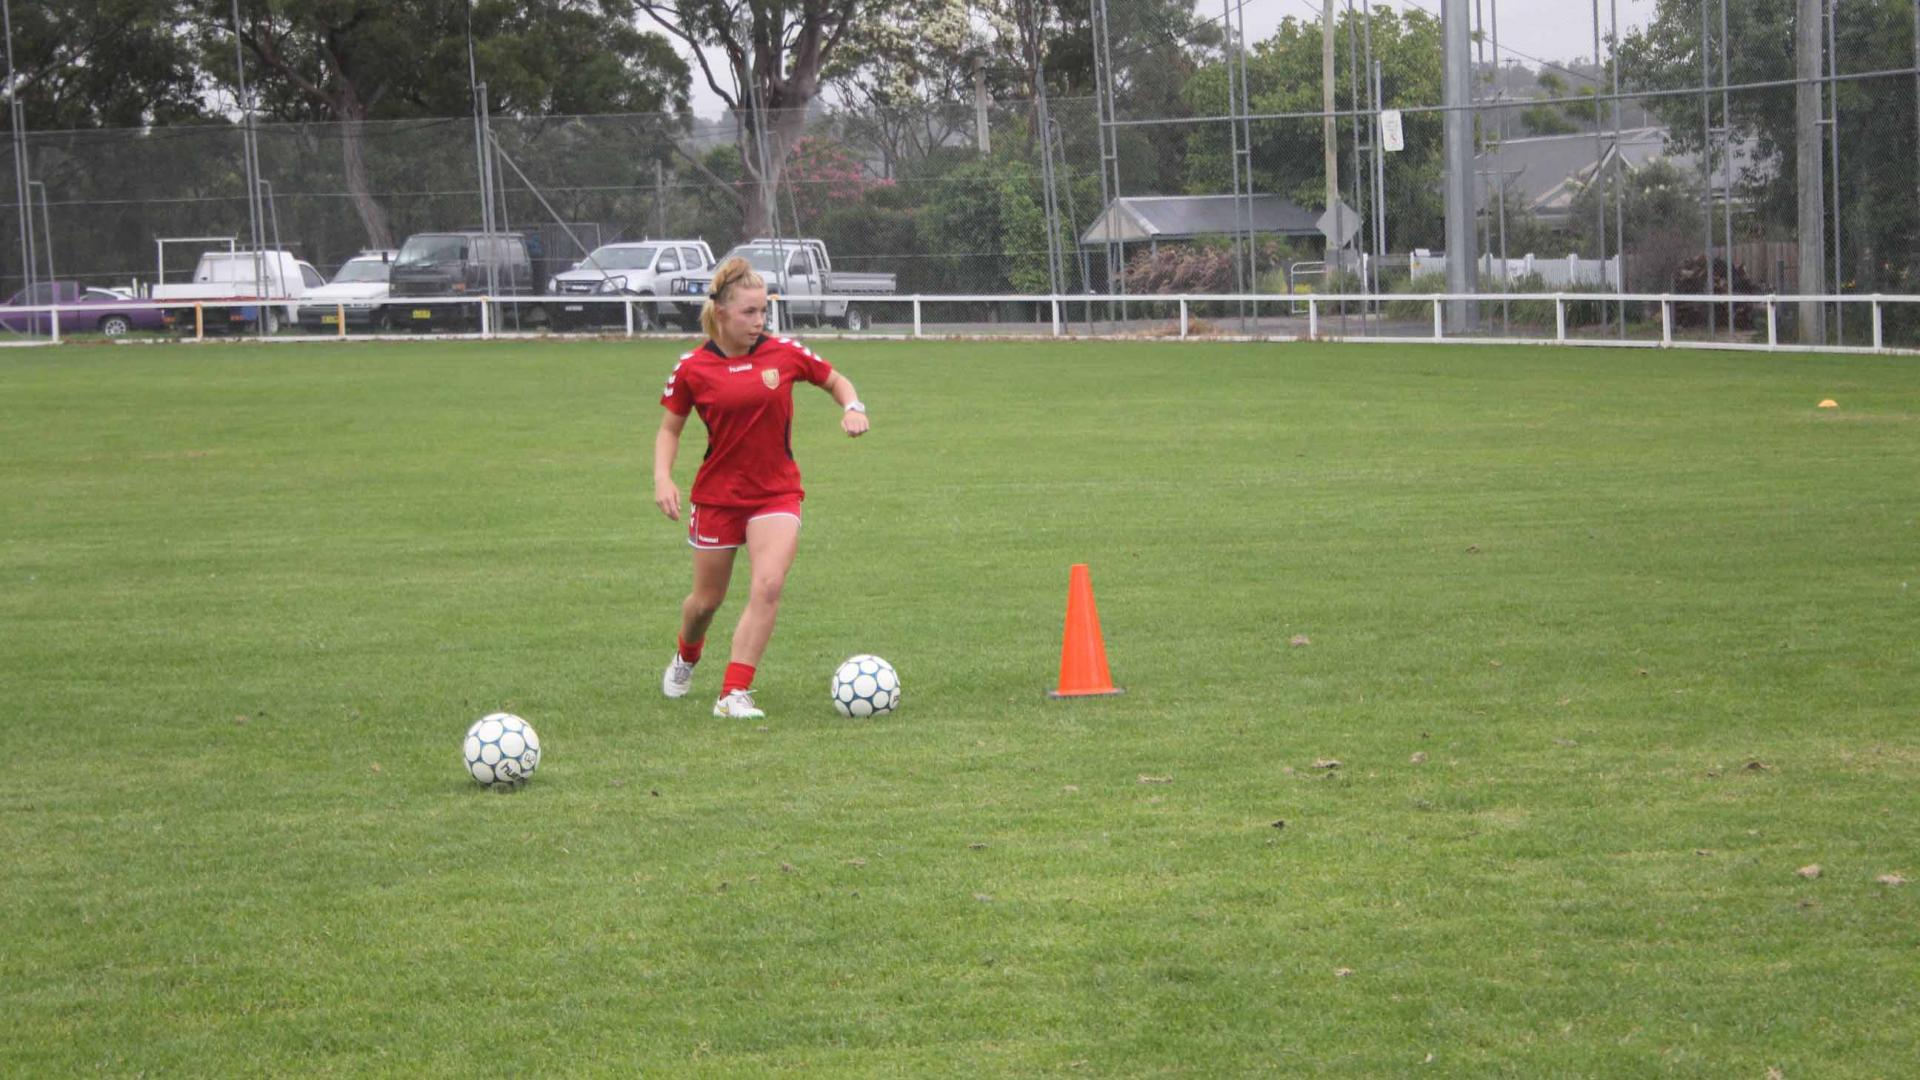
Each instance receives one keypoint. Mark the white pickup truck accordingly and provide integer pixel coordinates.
(634, 268)
(230, 277)
(797, 271)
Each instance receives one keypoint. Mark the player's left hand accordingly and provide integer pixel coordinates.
(854, 424)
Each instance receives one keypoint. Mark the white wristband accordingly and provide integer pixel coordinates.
(855, 406)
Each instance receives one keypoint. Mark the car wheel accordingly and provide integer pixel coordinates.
(115, 325)
(272, 318)
(855, 319)
(645, 318)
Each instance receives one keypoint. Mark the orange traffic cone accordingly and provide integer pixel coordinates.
(1083, 654)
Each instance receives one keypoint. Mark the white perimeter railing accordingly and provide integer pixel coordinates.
(486, 320)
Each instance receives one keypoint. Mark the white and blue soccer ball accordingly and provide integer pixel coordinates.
(501, 750)
(865, 686)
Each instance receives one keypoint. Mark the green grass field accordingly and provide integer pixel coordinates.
(1608, 645)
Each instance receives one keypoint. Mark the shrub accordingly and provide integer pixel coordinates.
(1181, 268)
(1692, 277)
(1415, 309)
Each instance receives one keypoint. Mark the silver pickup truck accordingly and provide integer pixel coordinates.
(798, 272)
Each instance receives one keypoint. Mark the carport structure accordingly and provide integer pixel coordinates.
(1151, 219)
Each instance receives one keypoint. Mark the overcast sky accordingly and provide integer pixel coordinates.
(1548, 29)
(1530, 30)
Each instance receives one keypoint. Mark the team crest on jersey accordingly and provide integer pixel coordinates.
(771, 377)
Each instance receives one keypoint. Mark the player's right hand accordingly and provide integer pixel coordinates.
(667, 497)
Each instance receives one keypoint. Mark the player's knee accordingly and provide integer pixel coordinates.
(766, 590)
(702, 605)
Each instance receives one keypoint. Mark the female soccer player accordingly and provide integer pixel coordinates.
(748, 488)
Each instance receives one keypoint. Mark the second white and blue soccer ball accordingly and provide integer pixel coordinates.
(865, 686)
(501, 750)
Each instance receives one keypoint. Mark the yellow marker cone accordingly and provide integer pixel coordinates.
(1829, 403)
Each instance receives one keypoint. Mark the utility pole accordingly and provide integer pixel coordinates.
(1807, 171)
(981, 135)
(1329, 136)
(1456, 96)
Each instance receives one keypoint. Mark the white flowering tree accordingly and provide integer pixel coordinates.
(903, 82)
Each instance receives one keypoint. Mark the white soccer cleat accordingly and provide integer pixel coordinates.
(738, 705)
(678, 679)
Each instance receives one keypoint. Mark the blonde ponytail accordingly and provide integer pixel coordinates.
(735, 272)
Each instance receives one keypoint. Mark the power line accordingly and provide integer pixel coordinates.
(1583, 99)
(1595, 79)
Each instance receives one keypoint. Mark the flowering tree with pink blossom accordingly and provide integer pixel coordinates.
(823, 174)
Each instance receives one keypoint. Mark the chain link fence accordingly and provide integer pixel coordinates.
(1683, 188)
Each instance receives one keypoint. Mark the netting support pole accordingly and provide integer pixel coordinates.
(1457, 95)
(1833, 162)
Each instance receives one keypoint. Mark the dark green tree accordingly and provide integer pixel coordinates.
(1548, 118)
(352, 61)
(1284, 77)
(1879, 228)
(101, 64)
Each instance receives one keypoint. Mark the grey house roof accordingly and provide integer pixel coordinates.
(1183, 217)
(1544, 173)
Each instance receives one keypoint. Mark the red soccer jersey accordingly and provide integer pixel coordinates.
(747, 404)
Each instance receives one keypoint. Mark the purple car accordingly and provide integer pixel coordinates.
(105, 311)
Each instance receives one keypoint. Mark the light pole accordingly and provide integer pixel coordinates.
(21, 174)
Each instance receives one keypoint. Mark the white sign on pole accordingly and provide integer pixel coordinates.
(1339, 224)
(1392, 135)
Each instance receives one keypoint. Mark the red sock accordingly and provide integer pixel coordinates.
(690, 652)
(738, 677)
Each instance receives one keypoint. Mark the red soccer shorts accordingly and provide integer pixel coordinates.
(714, 527)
